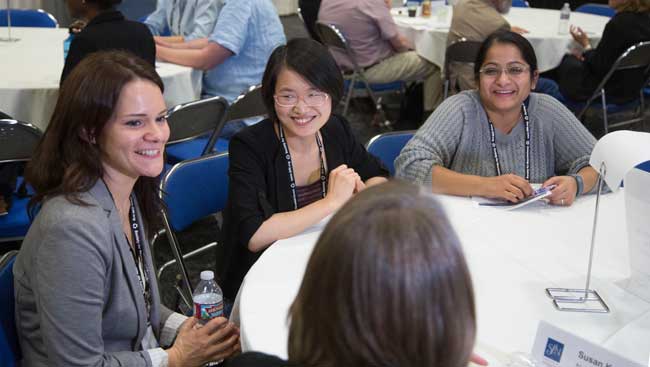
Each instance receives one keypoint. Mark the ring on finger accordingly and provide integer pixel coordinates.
(562, 201)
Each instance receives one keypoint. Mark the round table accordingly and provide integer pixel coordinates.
(513, 257)
(429, 35)
(31, 69)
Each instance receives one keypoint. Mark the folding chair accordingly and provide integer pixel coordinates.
(308, 13)
(387, 146)
(636, 57)
(460, 51)
(9, 348)
(597, 9)
(332, 37)
(192, 190)
(17, 143)
(28, 18)
(248, 105)
(520, 4)
(190, 121)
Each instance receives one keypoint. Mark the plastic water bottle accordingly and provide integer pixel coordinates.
(208, 298)
(565, 14)
(66, 45)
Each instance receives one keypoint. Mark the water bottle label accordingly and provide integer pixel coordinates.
(208, 311)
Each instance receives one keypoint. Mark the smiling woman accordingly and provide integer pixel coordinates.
(86, 254)
(496, 141)
(297, 167)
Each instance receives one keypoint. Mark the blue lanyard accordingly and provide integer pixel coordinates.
(493, 142)
(292, 178)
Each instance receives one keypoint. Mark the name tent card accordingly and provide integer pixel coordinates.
(555, 347)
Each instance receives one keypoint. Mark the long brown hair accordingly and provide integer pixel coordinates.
(68, 159)
(386, 285)
(635, 6)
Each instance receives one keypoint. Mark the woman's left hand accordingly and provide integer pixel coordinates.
(565, 190)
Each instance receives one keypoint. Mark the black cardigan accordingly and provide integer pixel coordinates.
(259, 186)
(578, 80)
(109, 30)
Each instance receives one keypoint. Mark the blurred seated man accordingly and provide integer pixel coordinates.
(474, 20)
(185, 20)
(379, 47)
(234, 55)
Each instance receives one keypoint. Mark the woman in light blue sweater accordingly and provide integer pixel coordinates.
(496, 141)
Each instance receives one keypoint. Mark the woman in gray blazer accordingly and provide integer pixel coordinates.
(86, 292)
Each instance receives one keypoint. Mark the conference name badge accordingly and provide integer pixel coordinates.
(555, 347)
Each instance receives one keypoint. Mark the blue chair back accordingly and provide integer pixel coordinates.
(387, 146)
(520, 4)
(194, 189)
(9, 347)
(597, 9)
(644, 166)
(28, 18)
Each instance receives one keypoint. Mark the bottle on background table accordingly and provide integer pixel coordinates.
(426, 8)
(565, 14)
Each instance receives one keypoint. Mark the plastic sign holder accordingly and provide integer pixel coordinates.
(614, 155)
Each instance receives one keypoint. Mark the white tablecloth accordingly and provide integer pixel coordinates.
(430, 34)
(513, 257)
(31, 69)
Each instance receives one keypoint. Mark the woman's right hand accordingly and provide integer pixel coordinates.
(509, 187)
(579, 36)
(341, 185)
(196, 346)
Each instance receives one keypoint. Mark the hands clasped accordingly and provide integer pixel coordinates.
(343, 183)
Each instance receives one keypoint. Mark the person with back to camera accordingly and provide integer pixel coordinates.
(106, 29)
(86, 291)
(295, 168)
(386, 285)
(496, 141)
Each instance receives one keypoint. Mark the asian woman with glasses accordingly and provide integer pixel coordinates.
(498, 140)
(295, 168)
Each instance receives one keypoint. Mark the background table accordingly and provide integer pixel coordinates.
(513, 257)
(429, 35)
(31, 69)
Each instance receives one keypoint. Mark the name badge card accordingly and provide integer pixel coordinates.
(555, 347)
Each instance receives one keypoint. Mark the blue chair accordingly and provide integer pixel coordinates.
(9, 348)
(644, 166)
(190, 125)
(248, 105)
(192, 190)
(387, 146)
(17, 143)
(597, 9)
(332, 37)
(520, 4)
(636, 57)
(28, 18)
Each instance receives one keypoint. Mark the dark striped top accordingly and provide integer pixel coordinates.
(309, 193)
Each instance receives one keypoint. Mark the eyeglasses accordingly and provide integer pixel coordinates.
(511, 70)
(312, 99)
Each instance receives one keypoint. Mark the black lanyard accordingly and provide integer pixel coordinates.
(495, 153)
(138, 257)
(292, 178)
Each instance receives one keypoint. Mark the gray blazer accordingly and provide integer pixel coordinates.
(78, 298)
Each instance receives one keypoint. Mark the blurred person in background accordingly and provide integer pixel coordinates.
(106, 29)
